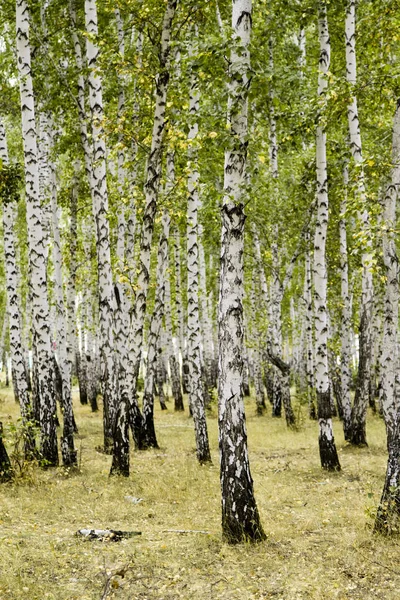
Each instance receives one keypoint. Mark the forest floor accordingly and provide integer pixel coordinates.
(319, 540)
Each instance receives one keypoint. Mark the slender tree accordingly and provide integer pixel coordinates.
(100, 209)
(240, 518)
(388, 514)
(327, 448)
(37, 245)
(196, 388)
(9, 186)
(359, 411)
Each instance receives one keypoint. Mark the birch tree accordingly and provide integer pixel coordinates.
(388, 514)
(196, 388)
(240, 518)
(346, 315)
(359, 412)
(100, 209)
(327, 449)
(149, 434)
(9, 183)
(36, 241)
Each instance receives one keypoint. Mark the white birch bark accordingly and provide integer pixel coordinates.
(121, 174)
(346, 314)
(149, 434)
(206, 326)
(173, 355)
(81, 105)
(36, 242)
(180, 316)
(72, 338)
(327, 448)
(358, 427)
(128, 408)
(67, 442)
(100, 206)
(240, 518)
(13, 307)
(196, 389)
(388, 516)
(309, 319)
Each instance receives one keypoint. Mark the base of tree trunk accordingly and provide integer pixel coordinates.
(204, 458)
(328, 454)
(387, 520)
(250, 530)
(120, 461)
(149, 438)
(120, 452)
(277, 410)
(358, 436)
(136, 424)
(290, 419)
(260, 410)
(6, 472)
(69, 455)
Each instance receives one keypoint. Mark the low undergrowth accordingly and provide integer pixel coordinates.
(319, 544)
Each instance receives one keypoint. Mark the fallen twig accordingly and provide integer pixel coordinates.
(187, 531)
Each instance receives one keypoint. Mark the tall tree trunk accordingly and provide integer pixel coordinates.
(359, 412)
(309, 317)
(68, 451)
(128, 410)
(36, 243)
(13, 304)
(173, 356)
(327, 447)
(180, 317)
(240, 518)
(72, 338)
(100, 208)
(149, 434)
(196, 388)
(346, 316)
(388, 514)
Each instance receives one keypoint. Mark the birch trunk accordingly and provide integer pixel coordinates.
(100, 207)
(173, 356)
(180, 317)
(72, 338)
(327, 448)
(36, 243)
(388, 514)
(309, 316)
(68, 451)
(240, 518)
(196, 389)
(149, 434)
(128, 410)
(13, 307)
(346, 316)
(359, 412)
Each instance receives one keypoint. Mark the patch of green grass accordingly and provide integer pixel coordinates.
(319, 543)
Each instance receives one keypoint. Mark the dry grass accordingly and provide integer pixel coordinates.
(319, 542)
